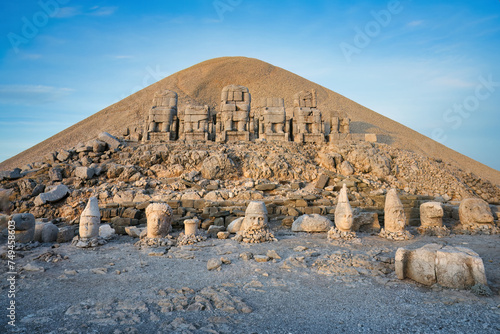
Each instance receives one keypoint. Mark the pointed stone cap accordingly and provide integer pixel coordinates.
(92, 208)
(392, 199)
(256, 207)
(343, 198)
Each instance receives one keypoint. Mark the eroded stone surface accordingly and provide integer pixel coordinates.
(452, 267)
(475, 218)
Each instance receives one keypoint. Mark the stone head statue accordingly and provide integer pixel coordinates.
(90, 220)
(473, 211)
(431, 214)
(395, 219)
(159, 220)
(165, 98)
(343, 212)
(255, 216)
(24, 227)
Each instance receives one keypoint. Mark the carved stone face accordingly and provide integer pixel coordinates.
(255, 216)
(256, 221)
(395, 219)
(157, 225)
(90, 220)
(89, 227)
(343, 217)
(431, 214)
(474, 211)
(159, 220)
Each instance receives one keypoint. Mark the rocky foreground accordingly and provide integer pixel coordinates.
(302, 283)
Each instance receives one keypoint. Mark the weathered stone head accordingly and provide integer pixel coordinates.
(255, 216)
(24, 227)
(343, 212)
(395, 219)
(159, 220)
(431, 214)
(474, 211)
(165, 98)
(90, 220)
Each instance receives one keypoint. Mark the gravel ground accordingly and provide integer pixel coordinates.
(315, 287)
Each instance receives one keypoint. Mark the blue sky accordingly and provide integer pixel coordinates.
(430, 65)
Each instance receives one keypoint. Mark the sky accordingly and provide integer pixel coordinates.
(430, 65)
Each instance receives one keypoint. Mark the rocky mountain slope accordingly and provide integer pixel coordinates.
(202, 84)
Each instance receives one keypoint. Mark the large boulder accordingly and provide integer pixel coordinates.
(312, 223)
(55, 194)
(24, 227)
(452, 267)
(46, 232)
(10, 174)
(217, 166)
(474, 211)
(84, 173)
(109, 139)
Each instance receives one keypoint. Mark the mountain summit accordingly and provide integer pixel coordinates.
(202, 83)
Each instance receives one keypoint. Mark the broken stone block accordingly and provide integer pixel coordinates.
(322, 181)
(452, 267)
(24, 227)
(54, 194)
(312, 223)
(46, 232)
(10, 174)
(84, 173)
(109, 139)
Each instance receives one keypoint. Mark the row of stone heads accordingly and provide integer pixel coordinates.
(474, 213)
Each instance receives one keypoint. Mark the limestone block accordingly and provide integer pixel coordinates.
(54, 194)
(235, 225)
(24, 227)
(55, 174)
(109, 139)
(10, 174)
(66, 234)
(46, 232)
(452, 267)
(312, 223)
(63, 155)
(84, 173)
(459, 268)
(366, 222)
(106, 231)
(322, 181)
(346, 168)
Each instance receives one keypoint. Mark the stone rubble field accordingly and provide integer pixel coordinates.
(303, 283)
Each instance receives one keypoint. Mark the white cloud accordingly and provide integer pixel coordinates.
(66, 12)
(31, 94)
(102, 11)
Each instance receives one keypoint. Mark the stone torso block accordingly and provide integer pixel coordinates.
(161, 116)
(234, 114)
